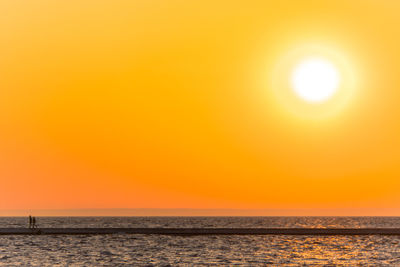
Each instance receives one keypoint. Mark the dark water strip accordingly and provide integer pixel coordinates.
(201, 231)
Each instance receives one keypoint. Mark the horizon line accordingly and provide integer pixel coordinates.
(125, 212)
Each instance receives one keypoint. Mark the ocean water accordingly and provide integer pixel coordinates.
(157, 250)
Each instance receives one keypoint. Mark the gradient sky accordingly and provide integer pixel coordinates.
(171, 104)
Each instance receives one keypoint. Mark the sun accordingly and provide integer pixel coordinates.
(315, 80)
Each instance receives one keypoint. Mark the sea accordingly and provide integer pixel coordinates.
(226, 250)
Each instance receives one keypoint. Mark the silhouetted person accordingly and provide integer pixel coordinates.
(30, 221)
(33, 222)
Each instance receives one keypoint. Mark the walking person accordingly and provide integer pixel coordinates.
(30, 221)
(33, 222)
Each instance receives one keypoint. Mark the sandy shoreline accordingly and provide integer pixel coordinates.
(201, 231)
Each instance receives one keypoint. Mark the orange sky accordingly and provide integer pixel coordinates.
(171, 104)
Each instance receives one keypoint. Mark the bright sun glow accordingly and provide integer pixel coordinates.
(315, 80)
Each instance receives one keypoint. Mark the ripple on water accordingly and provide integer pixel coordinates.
(112, 250)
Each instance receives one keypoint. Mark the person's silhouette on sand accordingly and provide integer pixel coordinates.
(33, 222)
(30, 221)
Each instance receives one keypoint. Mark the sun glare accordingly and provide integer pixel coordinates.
(315, 80)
